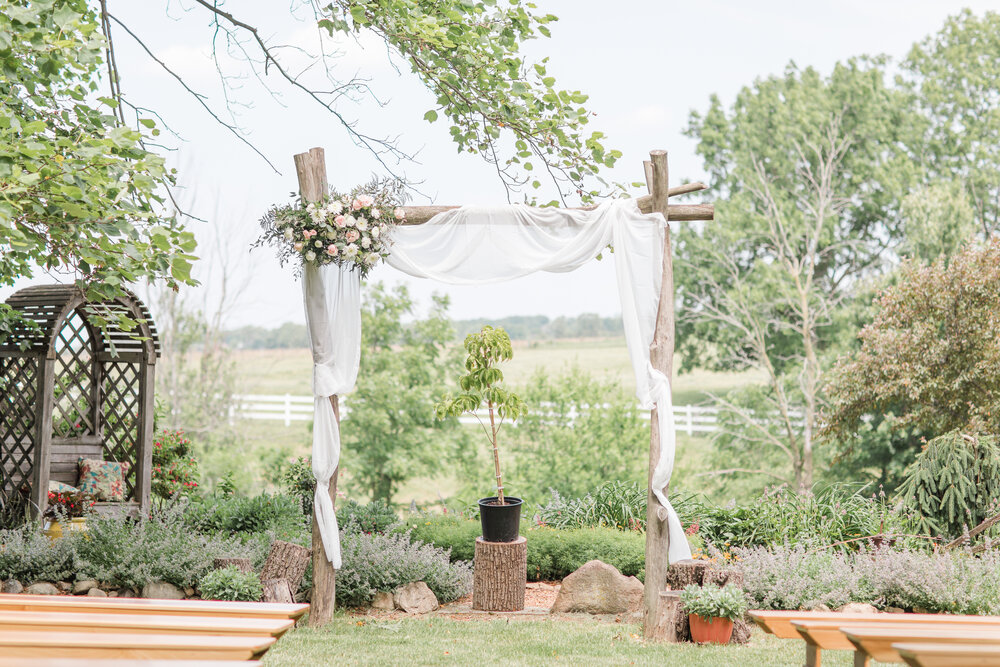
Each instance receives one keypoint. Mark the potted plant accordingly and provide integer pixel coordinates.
(66, 507)
(712, 610)
(500, 515)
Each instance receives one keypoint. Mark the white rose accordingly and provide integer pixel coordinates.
(318, 243)
(310, 256)
(289, 234)
(376, 213)
(350, 221)
(376, 231)
(366, 243)
(330, 234)
(362, 224)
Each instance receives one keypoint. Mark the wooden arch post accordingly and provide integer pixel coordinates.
(311, 171)
(661, 356)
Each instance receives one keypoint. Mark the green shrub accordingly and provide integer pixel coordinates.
(231, 583)
(239, 514)
(27, 555)
(552, 554)
(376, 562)
(298, 481)
(619, 505)
(375, 517)
(954, 483)
(711, 601)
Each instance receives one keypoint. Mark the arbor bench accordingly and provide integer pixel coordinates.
(60, 621)
(215, 608)
(873, 642)
(111, 645)
(949, 655)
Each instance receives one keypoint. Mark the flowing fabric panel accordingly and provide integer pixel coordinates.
(332, 297)
(477, 245)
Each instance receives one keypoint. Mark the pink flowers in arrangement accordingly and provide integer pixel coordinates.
(352, 230)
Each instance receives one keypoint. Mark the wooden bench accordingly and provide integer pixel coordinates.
(76, 662)
(79, 604)
(874, 642)
(100, 645)
(59, 621)
(949, 655)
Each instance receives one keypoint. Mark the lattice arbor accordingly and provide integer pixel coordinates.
(69, 389)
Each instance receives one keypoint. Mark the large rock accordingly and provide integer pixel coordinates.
(81, 587)
(161, 590)
(598, 588)
(12, 587)
(96, 593)
(383, 601)
(858, 608)
(415, 598)
(42, 588)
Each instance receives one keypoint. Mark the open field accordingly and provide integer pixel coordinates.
(430, 640)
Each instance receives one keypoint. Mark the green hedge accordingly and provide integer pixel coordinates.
(552, 554)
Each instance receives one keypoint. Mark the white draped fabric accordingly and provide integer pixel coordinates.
(477, 245)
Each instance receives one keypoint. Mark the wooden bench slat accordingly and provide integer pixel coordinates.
(94, 662)
(56, 621)
(949, 655)
(77, 604)
(828, 633)
(98, 645)
(876, 643)
(779, 623)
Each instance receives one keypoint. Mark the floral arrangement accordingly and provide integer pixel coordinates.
(68, 504)
(175, 470)
(352, 230)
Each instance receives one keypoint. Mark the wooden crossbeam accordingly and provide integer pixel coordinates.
(418, 215)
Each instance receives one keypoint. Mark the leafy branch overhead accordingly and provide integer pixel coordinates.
(467, 53)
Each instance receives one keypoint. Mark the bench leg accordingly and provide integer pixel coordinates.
(812, 655)
(861, 659)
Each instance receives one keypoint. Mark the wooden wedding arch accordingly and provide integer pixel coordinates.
(310, 167)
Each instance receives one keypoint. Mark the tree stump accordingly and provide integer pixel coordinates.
(241, 564)
(671, 623)
(722, 577)
(500, 574)
(278, 590)
(686, 572)
(286, 561)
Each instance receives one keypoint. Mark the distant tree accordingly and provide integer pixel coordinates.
(810, 171)
(391, 434)
(956, 75)
(931, 358)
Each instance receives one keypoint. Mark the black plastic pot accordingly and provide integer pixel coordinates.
(500, 522)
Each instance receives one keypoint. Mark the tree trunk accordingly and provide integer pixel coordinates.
(241, 564)
(671, 620)
(500, 575)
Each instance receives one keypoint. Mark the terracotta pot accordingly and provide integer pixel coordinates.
(710, 630)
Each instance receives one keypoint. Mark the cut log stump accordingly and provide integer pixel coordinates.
(278, 590)
(686, 572)
(671, 623)
(286, 561)
(500, 574)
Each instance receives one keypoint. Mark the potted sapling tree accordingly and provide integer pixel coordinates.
(481, 385)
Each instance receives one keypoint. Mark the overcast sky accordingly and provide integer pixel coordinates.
(645, 64)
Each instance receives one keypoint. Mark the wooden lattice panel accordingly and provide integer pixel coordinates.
(18, 377)
(120, 416)
(72, 413)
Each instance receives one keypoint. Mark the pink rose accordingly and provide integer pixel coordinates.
(356, 205)
(366, 200)
(353, 235)
(309, 233)
(332, 250)
(298, 246)
(339, 221)
(376, 214)
(400, 214)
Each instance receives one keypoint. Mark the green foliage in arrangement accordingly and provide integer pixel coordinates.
(954, 484)
(392, 435)
(483, 385)
(620, 505)
(175, 469)
(298, 481)
(931, 357)
(575, 432)
(79, 191)
(466, 52)
(231, 583)
(711, 601)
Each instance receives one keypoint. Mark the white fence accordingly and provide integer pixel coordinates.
(689, 419)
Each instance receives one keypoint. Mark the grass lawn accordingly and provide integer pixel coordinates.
(443, 641)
